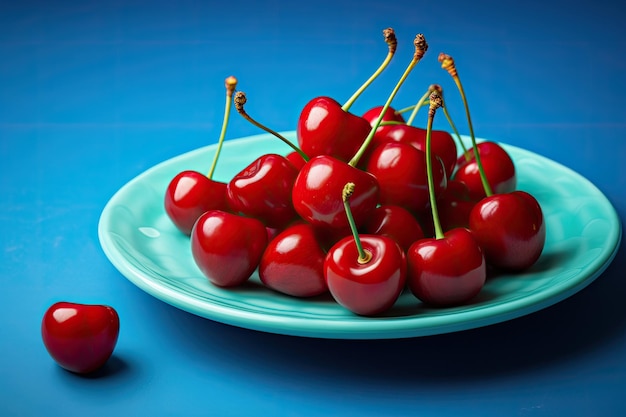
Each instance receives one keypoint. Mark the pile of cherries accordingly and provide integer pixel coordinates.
(363, 208)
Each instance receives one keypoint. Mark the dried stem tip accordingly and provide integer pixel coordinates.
(421, 46)
(447, 63)
(240, 100)
(231, 83)
(390, 39)
(435, 102)
(435, 88)
(348, 189)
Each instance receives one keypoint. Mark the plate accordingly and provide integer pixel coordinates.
(583, 235)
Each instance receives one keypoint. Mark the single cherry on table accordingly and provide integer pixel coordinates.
(80, 337)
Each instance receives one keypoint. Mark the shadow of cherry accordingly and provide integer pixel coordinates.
(114, 367)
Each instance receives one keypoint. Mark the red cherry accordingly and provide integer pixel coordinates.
(227, 247)
(263, 190)
(510, 228)
(318, 184)
(390, 116)
(394, 222)
(368, 288)
(443, 145)
(450, 268)
(380, 136)
(80, 337)
(447, 271)
(293, 262)
(455, 205)
(327, 236)
(191, 193)
(296, 159)
(400, 170)
(324, 128)
(498, 166)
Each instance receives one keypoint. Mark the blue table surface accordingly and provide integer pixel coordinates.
(94, 93)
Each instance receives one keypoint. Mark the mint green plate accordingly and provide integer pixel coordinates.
(583, 235)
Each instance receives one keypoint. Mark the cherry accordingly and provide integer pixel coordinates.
(320, 179)
(191, 193)
(510, 228)
(455, 205)
(325, 127)
(296, 159)
(395, 222)
(366, 273)
(497, 165)
(446, 271)
(449, 269)
(389, 119)
(323, 176)
(390, 115)
(227, 247)
(443, 145)
(263, 190)
(500, 167)
(400, 170)
(293, 262)
(80, 337)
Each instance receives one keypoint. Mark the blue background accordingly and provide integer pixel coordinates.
(94, 93)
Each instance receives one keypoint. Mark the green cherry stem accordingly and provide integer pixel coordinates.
(435, 103)
(420, 49)
(447, 63)
(409, 108)
(231, 84)
(421, 102)
(240, 101)
(456, 132)
(390, 38)
(364, 256)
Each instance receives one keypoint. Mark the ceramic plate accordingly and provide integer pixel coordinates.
(583, 234)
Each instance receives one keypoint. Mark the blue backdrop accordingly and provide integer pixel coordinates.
(94, 93)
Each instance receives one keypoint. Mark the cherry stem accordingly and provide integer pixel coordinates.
(240, 101)
(421, 101)
(420, 49)
(364, 256)
(456, 132)
(231, 83)
(416, 107)
(390, 38)
(447, 63)
(435, 103)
